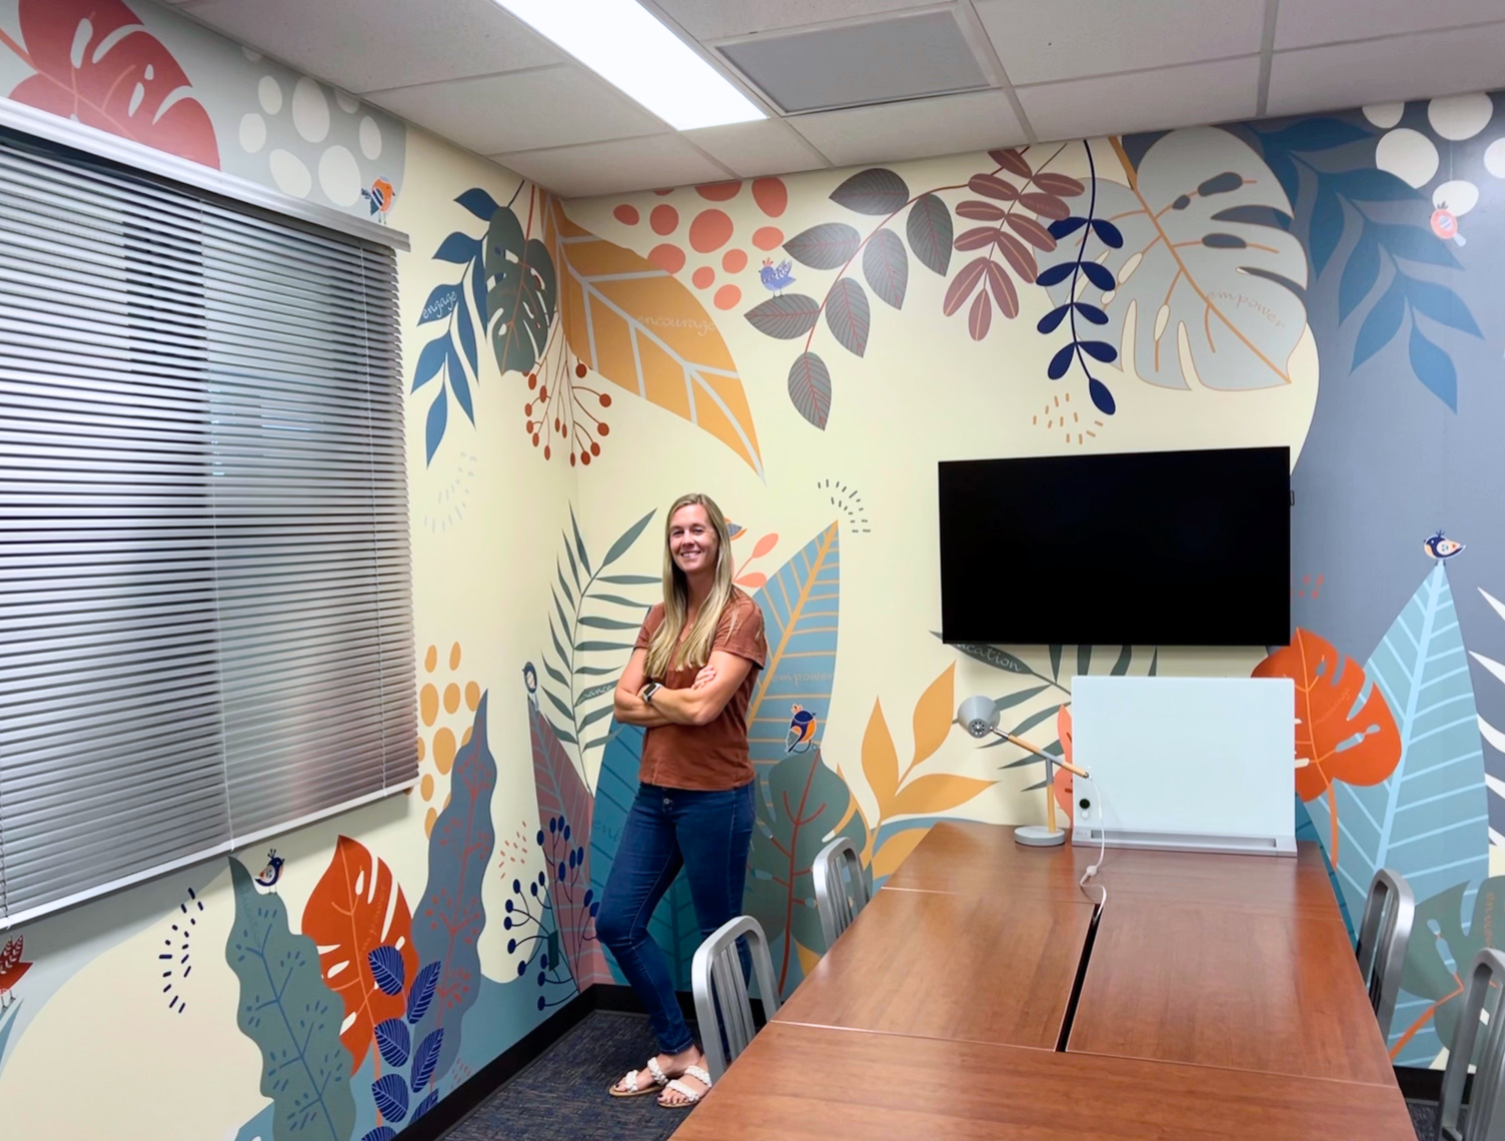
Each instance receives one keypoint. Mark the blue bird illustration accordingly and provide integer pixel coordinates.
(1441, 548)
(530, 682)
(776, 278)
(270, 874)
(801, 731)
(380, 198)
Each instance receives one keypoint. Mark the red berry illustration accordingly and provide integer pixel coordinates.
(580, 369)
(606, 400)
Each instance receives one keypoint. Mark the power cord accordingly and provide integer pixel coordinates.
(1092, 869)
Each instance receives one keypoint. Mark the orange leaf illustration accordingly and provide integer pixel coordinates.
(942, 792)
(896, 850)
(347, 916)
(934, 715)
(1341, 739)
(1061, 780)
(880, 760)
(637, 326)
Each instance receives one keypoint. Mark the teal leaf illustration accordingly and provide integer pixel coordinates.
(875, 191)
(1439, 954)
(288, 1011)
(930, 231)
(430, 360)
(448, 923)
(434, 426)
(885, 265)
(522, 297)
(479, 203)
(441, 303)
(1434, 368)
(810, 389)
(1380, 324)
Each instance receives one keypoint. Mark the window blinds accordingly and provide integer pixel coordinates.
(205, 594)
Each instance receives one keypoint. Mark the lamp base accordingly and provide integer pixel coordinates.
(1038, 836)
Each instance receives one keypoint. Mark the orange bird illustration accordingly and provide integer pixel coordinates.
(11, 969)
(801, 730)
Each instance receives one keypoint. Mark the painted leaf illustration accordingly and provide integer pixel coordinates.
(936, 793)
(1493, 734)
(929, 231)
(800, 604)
(394, 1042)
(875, 191)
(885, 266)
(963, 285)
(1061, 781)
(641, 329)
(562, 796)
(785, 317)
(810, 388)
(1346, 730)
(1189, 271)
(810, 802)
(880, 759)
(347, 915)
(391, 1095)
(447, 928)
(425, 1058)
(95, 62)
(673, 925)
(290, 1014)
(980, 317)
(388, 969)
(522, 293)
(1435, 964)
(829, 245)
(847, 315)
(934, 714)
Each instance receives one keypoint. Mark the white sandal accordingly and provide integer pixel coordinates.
(660, 1079)
(690, 1096)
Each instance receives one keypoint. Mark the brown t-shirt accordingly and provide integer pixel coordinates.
(708, 758)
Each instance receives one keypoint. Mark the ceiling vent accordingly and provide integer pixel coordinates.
(854, 65)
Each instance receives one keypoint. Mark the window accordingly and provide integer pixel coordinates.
(205, 596)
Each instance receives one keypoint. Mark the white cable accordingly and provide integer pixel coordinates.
(1093, 869)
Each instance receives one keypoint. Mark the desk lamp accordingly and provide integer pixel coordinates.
(979, 716)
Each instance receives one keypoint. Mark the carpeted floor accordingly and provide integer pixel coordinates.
(562, 1095)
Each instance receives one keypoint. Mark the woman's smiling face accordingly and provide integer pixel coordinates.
(692, 540)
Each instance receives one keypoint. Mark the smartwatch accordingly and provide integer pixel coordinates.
(653, 687)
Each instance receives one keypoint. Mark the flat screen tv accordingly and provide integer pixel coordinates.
(1150, 548)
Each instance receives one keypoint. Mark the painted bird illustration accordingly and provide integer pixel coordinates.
(273, 871)
(801, 730)
(530, 682)
(380, 198)
(776, 278)
(11, 969)
(1439, 547)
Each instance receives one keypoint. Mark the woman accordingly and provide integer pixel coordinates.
(688, 683)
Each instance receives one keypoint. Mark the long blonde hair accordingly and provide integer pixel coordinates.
(664, 650)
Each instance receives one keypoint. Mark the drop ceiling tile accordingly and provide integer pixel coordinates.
(615, 167)
(1143, 101)
(770, 146)
(1448, 62)
(1303, 23)
(372, 45)
(1066, 39)
(522, 111)
(717, 19)
(919, 128)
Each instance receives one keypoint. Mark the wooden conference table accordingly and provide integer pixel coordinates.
(1218, 998)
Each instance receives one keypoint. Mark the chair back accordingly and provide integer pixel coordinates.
(722, 1004)
(836, 904)
(1389, 913)
(1481, 997)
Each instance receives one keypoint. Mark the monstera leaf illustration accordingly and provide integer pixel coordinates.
(1208, 288)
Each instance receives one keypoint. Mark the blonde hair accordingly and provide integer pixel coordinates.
(664, 650)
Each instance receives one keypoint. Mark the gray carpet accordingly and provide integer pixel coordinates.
(562, 1095)
(1424, 1115)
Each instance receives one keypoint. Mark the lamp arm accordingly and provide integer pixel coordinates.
(1027, 747)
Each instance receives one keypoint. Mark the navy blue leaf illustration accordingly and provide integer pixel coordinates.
(1413, 243)
(391, 1094)
(458, 248)
(460, 384)
(425, 1105)
(1381, 323)
(1064, 226)
(1326, 228)
(1315, 135)
(467, 335)
(438, 417)
(1107, 233)
(1054, 275)
(1441, 304)
(1061, 361)
(394, 1042)
(387, 969)
(440, 304)
(1051, 320)
(430, 361)
(1101, 397)
(1359, 275)
(479, 203)
(1092, 313)
(1285, 172)
(380, 1133)
(422, 993)
(1434, 368)
(425, 1058)
(1371, 185)
(1100, 350)
(1099, 275)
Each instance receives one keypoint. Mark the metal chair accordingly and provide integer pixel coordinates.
(836, 906)
(1389, 914)
(1485, 979)
(717, 980)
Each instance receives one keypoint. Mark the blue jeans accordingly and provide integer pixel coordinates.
(706, 833)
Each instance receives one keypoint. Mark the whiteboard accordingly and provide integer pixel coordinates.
(1199, 763)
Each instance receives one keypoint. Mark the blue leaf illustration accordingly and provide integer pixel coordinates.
(1101, 397)
(1051, 320)
(440, 304)
(292, 1016)
(1107, 233)
(1413, 243)
(458, 248)
(1061, 227)
(1284, 170)
(1315, 134)
(422, 993)
(479, 203)
(1326, 229)
(425, 1058)
(438, 417)
(1441, 304)
(1359, 275)
(1371, 185)
(459, 384)
(1100, 275)
(467, 334)
(1434, 368)
(387, 969)
(394, 1042)
(1092, 313)
(380, 1133)
(1061, 362)
(478, 293)
(391, 1094)
(430, 361)
(424, 1106)
(1055, 274)
(1101, 350)
(1381, 323)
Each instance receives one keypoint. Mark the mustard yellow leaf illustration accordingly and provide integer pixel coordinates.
(641, 329)
(930, 795)
(880, 761)
(896, 850)
(934, 714)
(808, 958)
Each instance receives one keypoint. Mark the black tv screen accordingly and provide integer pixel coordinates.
(1151, 548)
